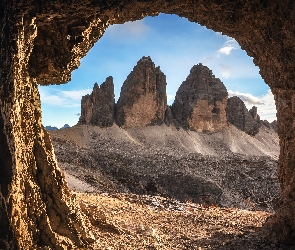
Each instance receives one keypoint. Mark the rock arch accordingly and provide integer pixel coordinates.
(41, 42)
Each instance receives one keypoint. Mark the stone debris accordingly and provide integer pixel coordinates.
(163, 161)
(129, 221)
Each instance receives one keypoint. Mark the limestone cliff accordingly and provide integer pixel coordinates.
(143, 99)
(238, 115)
(98, 108)
(200, 101)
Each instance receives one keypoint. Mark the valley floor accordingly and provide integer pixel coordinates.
(140, 187)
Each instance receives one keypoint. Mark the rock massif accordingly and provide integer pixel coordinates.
(200, 101)
(238, 115)
(98, 108)
(143, 99)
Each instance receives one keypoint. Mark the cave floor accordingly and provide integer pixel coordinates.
(128, 221)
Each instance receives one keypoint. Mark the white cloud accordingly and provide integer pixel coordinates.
(265, 104)
(268, 110)
(226, 50)
(247, 98)
(229, 45)
(66, 99)
(133, 30)
(75, 94)
(170, 98)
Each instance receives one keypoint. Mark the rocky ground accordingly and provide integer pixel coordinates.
(164, 161)
(162, 188)
(151, 222)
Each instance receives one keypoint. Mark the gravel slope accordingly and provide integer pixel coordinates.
(227, 168)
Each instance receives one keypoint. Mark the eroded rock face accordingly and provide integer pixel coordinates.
(143, 99)
(200, 101)
(43, 41)
(254, 114)
(274, 125)
(238, 115)
(98, 108)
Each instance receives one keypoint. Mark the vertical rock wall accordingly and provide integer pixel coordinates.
(200, 101)
(36, 207)
(280, 226)
(143, 99)
(238, 115)
(98, 108)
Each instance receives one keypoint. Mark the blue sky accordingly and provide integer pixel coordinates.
(174, 44)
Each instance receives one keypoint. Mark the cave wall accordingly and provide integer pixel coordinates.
(42, 42)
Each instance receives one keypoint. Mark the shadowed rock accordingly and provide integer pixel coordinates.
(200, 101)
(238, 115)
(274, 125)
(98, 108)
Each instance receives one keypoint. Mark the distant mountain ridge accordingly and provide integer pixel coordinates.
(49, 127)
(201, 103)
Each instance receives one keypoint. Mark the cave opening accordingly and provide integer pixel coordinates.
(174, 44)
(49, 57)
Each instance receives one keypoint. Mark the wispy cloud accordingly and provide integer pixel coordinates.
(247, 98)
(264, 103)
(268, 110)
(130, 30)
(66, 99)
(225, 70)
(230, 45)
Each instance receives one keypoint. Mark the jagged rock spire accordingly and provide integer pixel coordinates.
(98, 108)
(143, 99)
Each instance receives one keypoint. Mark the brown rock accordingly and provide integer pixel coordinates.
(168, 116)
(254, 114)
(238, 115)
(43, 41)
(98, 108)
(265, 123)
(143, 99)
(274, 126)
(200, 101)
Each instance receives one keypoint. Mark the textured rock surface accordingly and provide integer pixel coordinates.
(219, 168)
(254, 114)
(43, 41)
(143, 99)
(200, 101)
(98, 108)
(238, 115)
(274, 125)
